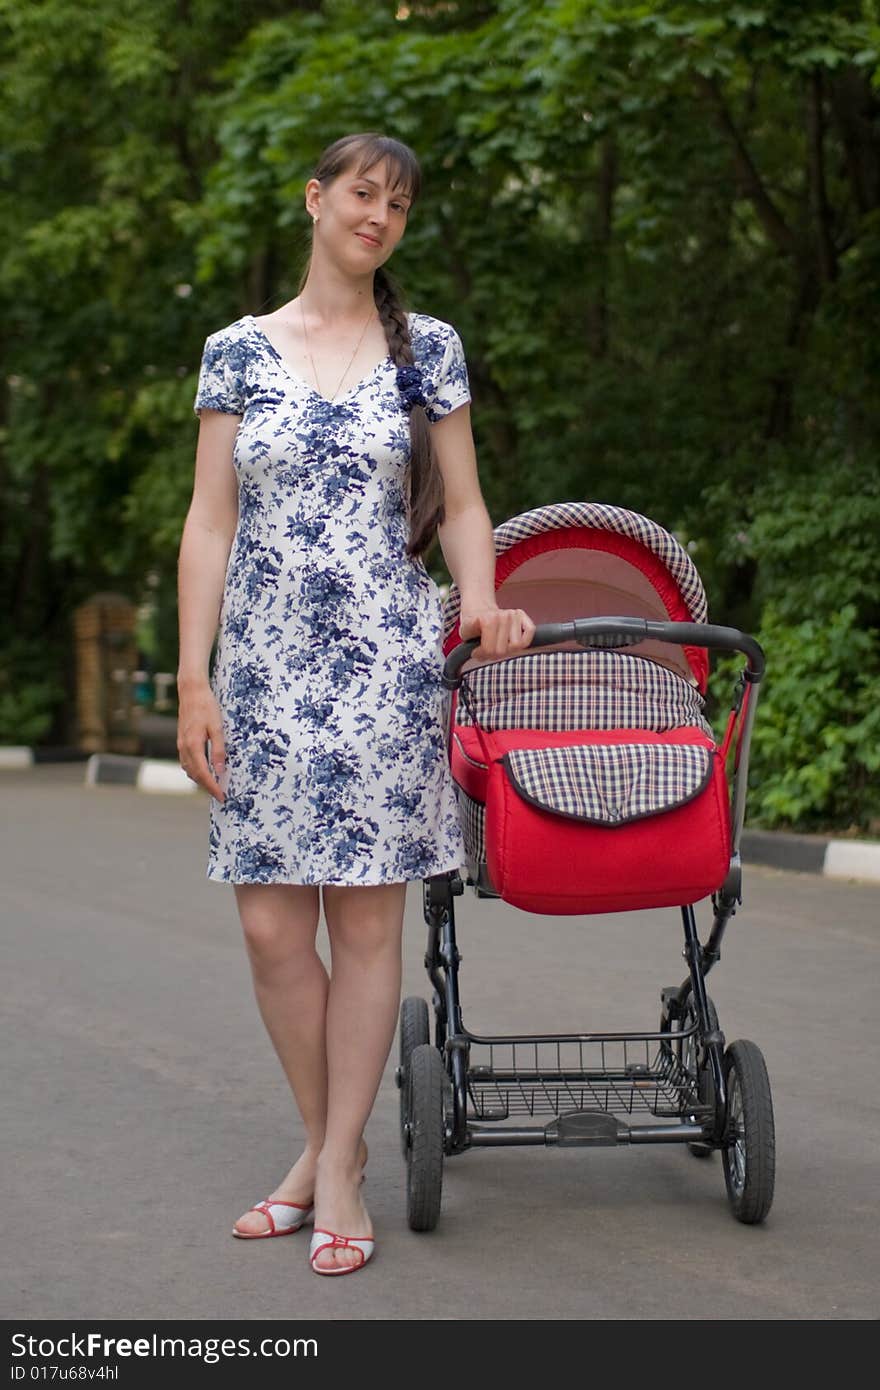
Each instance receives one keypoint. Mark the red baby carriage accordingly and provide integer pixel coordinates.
(589, 781)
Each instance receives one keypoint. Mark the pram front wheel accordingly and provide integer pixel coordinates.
(424, 1151)
(414, 1031)
(750, 1140)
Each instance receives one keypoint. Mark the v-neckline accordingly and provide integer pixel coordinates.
(301, 381)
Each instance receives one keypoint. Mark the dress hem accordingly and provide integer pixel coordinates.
(337, 883)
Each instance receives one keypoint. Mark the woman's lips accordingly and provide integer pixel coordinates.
(371, 241)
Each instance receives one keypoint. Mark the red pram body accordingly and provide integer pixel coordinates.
(589, 780)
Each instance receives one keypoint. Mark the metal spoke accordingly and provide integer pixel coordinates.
(737, 1131)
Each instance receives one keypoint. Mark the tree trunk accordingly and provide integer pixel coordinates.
(597, 308)
(781, 409)
(820, 210)
(855, 110)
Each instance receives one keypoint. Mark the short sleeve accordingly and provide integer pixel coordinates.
(451, 388)
(221, 377)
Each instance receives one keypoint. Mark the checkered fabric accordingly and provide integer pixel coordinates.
(603, 517)
(472, 815)
(610, 784)
(568, 690)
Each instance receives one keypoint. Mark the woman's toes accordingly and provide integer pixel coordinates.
(253, 1223)
(350, 1257)
(337, 1258)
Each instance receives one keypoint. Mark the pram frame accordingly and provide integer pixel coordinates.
(702, 1120)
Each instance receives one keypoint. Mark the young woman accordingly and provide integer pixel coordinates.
(334, 441)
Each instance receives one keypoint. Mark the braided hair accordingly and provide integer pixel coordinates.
(423, 479)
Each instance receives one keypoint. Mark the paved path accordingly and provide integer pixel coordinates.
(145, 1108)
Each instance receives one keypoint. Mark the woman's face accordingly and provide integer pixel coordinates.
(361, 217)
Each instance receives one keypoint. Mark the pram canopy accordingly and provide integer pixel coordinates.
(583, 559)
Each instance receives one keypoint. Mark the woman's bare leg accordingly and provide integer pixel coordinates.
(280, 923)
(364, 926)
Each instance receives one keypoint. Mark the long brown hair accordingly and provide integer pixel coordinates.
(423, 479)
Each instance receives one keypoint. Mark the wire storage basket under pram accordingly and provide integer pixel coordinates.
(589, 781)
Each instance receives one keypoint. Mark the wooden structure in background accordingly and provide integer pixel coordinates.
(106, 659)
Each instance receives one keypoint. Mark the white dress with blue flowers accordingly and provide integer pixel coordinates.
(328, 660)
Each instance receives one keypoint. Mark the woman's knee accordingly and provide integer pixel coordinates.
(279, 921)
(364, 920)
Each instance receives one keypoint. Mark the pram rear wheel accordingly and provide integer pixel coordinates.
(424, 1153)
(750, 1140)
(414, 1031)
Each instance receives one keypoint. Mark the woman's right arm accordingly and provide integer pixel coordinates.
(207, 539)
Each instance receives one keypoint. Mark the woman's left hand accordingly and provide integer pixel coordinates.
(500, 630)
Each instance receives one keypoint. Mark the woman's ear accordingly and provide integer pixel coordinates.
(313, 197)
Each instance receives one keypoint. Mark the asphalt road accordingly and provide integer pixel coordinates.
(144, 1108)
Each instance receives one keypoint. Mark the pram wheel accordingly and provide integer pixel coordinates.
(750, 1141)
(424, 1154)
(414, 1030)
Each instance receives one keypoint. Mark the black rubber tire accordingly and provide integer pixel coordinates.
(749, 1152)
(414, 1031)
(706, 1087)
(424, 1159)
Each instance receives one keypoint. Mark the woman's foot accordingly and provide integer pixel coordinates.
(339, 1209)
(298, 1186)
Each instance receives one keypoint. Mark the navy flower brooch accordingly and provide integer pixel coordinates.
(410, 384)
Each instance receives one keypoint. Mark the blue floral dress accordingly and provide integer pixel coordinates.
(328, 660)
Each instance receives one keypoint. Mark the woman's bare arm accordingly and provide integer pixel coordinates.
(468, 544)
(207, 538)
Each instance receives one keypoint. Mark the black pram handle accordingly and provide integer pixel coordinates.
(621, 632)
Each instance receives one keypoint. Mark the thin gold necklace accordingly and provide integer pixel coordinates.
(350, 360)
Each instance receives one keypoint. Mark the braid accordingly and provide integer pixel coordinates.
(423, 473)
(393, 319)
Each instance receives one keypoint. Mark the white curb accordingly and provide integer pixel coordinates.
(13, 756)
(852, 859)
(156, 775)
(146, 774)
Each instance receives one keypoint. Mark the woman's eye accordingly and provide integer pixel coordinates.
(365, 192)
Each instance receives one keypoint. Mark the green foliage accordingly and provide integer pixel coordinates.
(816, 748)
(28, 692)
(815, 542)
